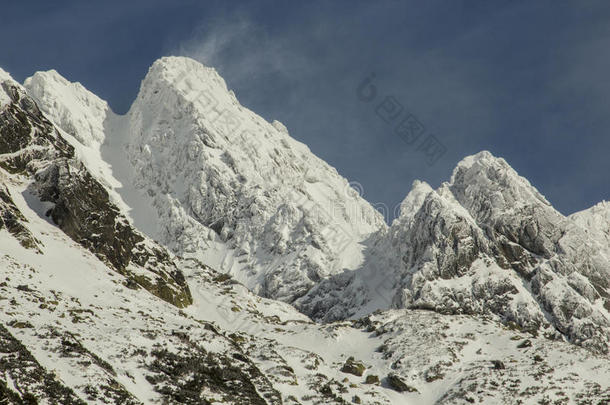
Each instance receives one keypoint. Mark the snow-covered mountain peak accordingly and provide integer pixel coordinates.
(70, 105)
(51, 75)
(484, 170)
(4, 75)
(595, 221)
(483, 157)
(99, 313)
(211, 179)
(226, 183)
(413, 201)
(4, 98)
(197, 88)
(484, 242)
(489, 187)
(176, 69)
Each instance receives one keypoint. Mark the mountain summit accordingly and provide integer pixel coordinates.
(224, 185)
(486, 242)
(191, 252)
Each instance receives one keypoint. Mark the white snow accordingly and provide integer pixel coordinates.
(69, 105)
(209, 178)
(188, 157)
(4, 98)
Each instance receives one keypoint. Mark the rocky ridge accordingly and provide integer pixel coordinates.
(494, 297)
(484, 243)
(33, 148)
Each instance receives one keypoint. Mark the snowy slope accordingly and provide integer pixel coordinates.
(595, 221)
(72, 107)
(484, 243)
(108, 343)
(498, 297)
(224, 185)
(83, 317)
(111, 344)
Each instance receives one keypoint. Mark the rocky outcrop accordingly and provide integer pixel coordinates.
(14, 222)
(484, 243)
(396, 383)
(80, 205)
(27, 138)
(488, 281)
(30, 382)
(352, 366)
(222, 178)
(184, 377)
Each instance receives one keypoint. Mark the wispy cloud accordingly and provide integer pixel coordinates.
(497, 77)
(307, 76)
(243, 50)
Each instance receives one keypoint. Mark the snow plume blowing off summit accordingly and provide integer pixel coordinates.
(226, 186)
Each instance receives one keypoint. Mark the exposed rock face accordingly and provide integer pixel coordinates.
(398, 384)
(26, 136)
(354, 367)
(82, 210)
(485, 243)
(70, 106)
(491, 285)
(192, 371)
(232, 189)
(12, 219)
(80, 205)
(32, 382)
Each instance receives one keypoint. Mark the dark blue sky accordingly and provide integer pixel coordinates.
(526, 80)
